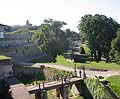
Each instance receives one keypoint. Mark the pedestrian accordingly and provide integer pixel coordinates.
(80, 72)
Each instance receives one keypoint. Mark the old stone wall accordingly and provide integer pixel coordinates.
(22, 53)
(26, 70)
(48, 72)
(13, 40)
(5, 68)
(22, 35)
(5, 71)
(13, 43)
(19, 47)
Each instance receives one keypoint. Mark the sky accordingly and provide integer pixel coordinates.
(16, 12)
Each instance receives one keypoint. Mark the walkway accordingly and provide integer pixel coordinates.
(18, 90)
(89, 73)
(52, 85)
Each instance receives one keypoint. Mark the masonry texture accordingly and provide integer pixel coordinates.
(19, 47)
(5, 68)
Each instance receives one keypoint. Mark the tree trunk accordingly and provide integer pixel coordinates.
(99, 55)
(95, 56)
(92, 57)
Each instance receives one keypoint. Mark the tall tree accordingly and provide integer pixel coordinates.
(72, 38)
(98, 31)
(115, 51)
(61, 41)
(51, 38)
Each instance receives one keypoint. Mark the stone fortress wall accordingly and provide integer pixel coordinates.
(12, 40)
(19, 47)
(5, 68)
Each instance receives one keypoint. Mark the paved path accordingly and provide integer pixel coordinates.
(89, 73)
(18, 90)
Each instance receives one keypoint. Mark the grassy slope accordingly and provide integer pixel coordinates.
(102, 65)
(18, 31)
(79, 97)
(115, 83)
(3, 57)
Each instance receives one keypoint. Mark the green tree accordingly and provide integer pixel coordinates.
(115, 51)
(72, 38)
(43, 36)
(98, 31)
(51, 38)
(60, 36)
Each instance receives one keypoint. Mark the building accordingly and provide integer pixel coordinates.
(28, 24)
(1, 35)
(5, 28)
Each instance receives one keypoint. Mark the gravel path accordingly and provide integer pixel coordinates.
(89, 73)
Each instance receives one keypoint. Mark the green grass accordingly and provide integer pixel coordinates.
(61, 60)
(96, 89)
(101, 65)
(2, 57)
(18, 31)
(51, 94)
(115, 84)
(79, 97)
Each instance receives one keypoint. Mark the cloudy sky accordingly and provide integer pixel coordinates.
(14, 12)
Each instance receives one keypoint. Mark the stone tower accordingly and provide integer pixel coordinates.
(28, 24)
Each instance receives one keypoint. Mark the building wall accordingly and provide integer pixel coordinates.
(19, 47)
(1, 35)
(5, 71)
(22, 53)
(5, 68)
(16, 36)
(18, 39)
(13, 43)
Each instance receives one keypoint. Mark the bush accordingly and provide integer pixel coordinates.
(96, 89)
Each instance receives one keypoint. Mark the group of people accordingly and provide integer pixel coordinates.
(81, 72)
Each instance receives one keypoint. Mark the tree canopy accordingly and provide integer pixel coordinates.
(115, 51)
(72, 38)
(51, 38)
(98, 31)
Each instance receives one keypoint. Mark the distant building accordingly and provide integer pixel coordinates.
(28, 24)
(1, 35)
(5, 28)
